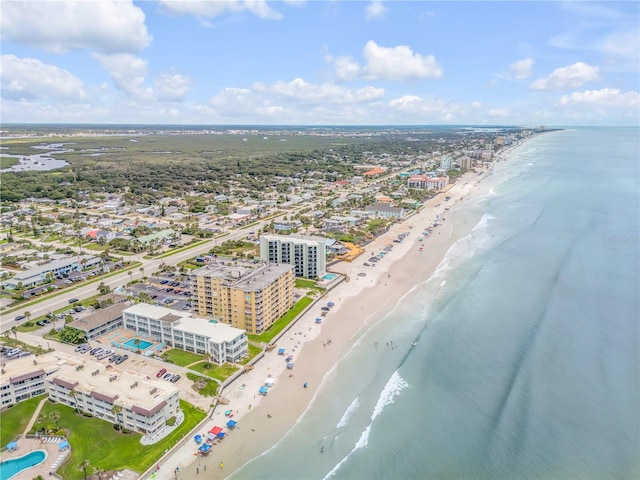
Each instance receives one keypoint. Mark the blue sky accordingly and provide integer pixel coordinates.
(320, 62)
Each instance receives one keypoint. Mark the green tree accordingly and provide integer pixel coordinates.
(103, 288)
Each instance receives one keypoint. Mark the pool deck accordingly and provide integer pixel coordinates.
(55, 458)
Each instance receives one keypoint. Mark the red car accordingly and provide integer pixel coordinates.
(161, 373)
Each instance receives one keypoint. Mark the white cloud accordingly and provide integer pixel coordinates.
(521, 69)
(398, 63)
(106, 26)
(498, 112)
(210, 9)
(386, 63)
(604, 98)
(375, 10)
(421, 110)
(571, 76)
(328, 93)
(127, 72)
(171, 87)
(29, 78)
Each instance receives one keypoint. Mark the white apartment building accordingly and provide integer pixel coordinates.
(36, 275)
(179, 329)
(128, 398)
(307, 255)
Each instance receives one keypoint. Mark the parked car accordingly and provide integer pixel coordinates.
(175, 378)
(114, 358)
(161, 372)
(121, 359)
(167, 376)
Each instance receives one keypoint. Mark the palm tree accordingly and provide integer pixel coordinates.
(40, 420)
(27, 314)
(141, 269)
(130, 273)
(73, 394)
(136, 343)
(14, 330)
(98, 471)
(207, 358)
(83, 467)
(54, 417)
(116, 409)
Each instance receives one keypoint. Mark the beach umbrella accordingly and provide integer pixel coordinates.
(231, 423)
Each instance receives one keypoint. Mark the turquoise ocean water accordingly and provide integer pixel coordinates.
(526, 356)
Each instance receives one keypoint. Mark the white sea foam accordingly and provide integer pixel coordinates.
(348, 413)
(391, 390)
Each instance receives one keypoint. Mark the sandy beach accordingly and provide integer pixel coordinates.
(316, 348)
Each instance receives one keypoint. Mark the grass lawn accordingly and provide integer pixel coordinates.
(98, 442)
(282, 322)
(253, 351)
(209, 387)
(219, 372)
(305, 283)
(95, 247)
(14, 420)
(180, 357)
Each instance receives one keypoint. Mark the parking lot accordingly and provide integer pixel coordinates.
(169, 290)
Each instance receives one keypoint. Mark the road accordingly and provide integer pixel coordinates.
(61, 300)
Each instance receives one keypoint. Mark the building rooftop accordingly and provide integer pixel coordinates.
(153, 311)
(99, 317)
(242, 277)
(297, 238)
(218, 332)
(80, 373)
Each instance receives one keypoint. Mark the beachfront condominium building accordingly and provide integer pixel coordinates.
(179, 329)
(307, 255)
(127, 398)
(251, 299)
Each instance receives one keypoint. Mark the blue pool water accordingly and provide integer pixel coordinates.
(329, 276)
(12, 467)
(143, 344)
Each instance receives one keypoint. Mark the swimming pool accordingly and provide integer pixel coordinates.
(329, 276)
(12, 467)
(142, 346)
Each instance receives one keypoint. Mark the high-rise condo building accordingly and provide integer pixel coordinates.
(307, 255)
(250, 299)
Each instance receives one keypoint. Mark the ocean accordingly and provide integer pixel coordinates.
(519, 358)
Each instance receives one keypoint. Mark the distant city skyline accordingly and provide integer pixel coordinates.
(320, 62)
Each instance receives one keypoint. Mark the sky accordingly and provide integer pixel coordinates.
(297, 62)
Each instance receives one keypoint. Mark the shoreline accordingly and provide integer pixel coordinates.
(264, 420)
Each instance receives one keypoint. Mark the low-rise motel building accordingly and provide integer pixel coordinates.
(251, 299)
(127, 398)
(224, 343)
